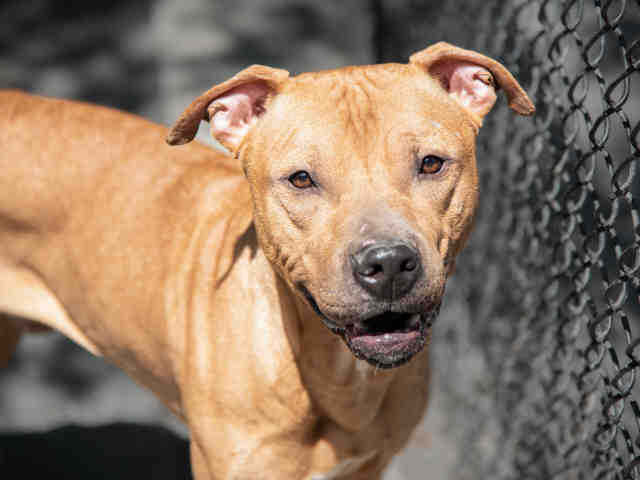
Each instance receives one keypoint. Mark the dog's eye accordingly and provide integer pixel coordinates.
(301, 179)
(431, 164)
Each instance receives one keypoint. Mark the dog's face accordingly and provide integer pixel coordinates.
(364, 185)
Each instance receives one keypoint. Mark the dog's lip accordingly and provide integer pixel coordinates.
(357, 325)
(387, 333)
(380, 348)
(331, 325)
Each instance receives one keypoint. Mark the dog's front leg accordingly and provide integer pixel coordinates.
(199, 467)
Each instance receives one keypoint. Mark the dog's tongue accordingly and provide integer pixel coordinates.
(385, 341)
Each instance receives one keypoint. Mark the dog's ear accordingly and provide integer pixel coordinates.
(472, 79)
(231, 107)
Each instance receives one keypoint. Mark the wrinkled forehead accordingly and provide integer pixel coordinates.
(362, 106)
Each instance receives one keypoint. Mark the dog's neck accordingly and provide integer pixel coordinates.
(347, 390)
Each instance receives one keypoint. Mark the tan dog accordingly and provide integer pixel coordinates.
(266, 314)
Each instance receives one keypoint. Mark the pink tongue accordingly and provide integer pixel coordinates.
(385, 339)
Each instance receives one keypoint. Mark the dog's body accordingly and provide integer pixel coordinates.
(216, 293)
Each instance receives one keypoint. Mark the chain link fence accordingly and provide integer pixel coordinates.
(553, 270)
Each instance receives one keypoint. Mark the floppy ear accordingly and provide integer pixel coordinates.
(472, 79)
(231, 107)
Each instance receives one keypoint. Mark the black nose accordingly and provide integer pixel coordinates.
(386, 272)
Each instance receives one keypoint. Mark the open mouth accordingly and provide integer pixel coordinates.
(389, 339)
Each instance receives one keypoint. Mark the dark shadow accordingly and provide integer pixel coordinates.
(73, 370)
(86, 43)
(118, 451)
(246, 240)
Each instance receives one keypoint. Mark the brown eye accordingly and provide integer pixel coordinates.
(301, 179)
(431, 164)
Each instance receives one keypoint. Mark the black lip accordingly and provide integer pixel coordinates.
(378, 360)
(338, 330)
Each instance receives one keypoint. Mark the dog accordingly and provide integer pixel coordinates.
(278, 299)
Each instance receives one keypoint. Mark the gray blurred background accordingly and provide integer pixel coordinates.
(510, 340)
(68, 414)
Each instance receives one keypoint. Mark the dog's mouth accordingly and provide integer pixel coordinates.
(386, 340)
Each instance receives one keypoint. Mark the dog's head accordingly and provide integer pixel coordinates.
(364, 182)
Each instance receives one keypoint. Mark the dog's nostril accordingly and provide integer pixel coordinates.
(386, 271)
(409, 265)
(371, 270)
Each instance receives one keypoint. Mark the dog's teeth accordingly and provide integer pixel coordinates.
(387, 336)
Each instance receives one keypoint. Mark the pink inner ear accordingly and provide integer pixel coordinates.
(231, 115)
(471, 85)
